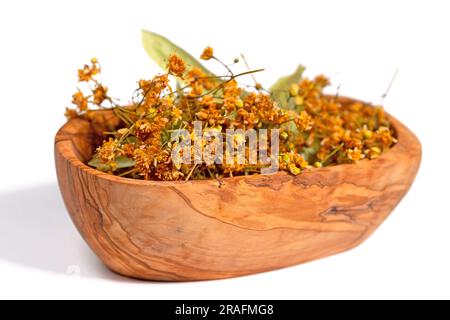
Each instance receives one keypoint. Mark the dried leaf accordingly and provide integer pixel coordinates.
(120, 163)
(124, 162)
(95, 162)
(160, 48)
(309, 153)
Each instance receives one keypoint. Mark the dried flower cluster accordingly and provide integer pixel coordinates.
(316, 130)
(99, 93)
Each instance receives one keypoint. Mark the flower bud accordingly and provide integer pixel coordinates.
(294, 89)
(299, 101)
(284, 135)
(239, 103)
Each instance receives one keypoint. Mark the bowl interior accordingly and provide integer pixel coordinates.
(88, 132)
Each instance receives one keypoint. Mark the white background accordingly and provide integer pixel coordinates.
(359, 43)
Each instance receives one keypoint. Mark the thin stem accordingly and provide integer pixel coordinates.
(383, 97)
(248, 67)
(123, 113)
(338, 91)
(126, 110)
(333, 153)
(287, 121)
(191, 172)
(226, 82)
(128, 172)
(121, 117)
(215, 176)
(223, 64)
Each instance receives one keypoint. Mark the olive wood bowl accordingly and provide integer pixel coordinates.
(182, 231)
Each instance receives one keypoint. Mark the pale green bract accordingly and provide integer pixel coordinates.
(280, 89)
(159, 48)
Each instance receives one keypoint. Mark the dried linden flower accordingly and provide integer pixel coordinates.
(100, 94)
(176, 66)
(207, 54)
(80, 101)
(88, 72)
(304, 121)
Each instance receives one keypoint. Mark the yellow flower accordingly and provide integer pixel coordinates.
(128, 150)
(88, 72)
(231, 94)
(318, 164)
(385, 137)
(207, 54)
(107, 151)
(373, 153)
(144, 161)
(177, 114)
(143, 129)
(176, 66)
(304, 121)
(300, 161)
(152, 90)
(321, 82)
(100, 94)
(355, 154)
(367, 134)
(167, 102)
(294, 169)
(80, 101)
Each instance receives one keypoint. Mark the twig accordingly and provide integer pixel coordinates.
(191, 172)
(128, 172)
(223, 64)
(333, 153)
(248, 67)
(226, 82)
(338, 91)
(383, 97)
(214, 176)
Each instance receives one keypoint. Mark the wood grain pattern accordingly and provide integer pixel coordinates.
(180, 231)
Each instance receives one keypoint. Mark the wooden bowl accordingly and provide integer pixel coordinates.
(181, 231)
